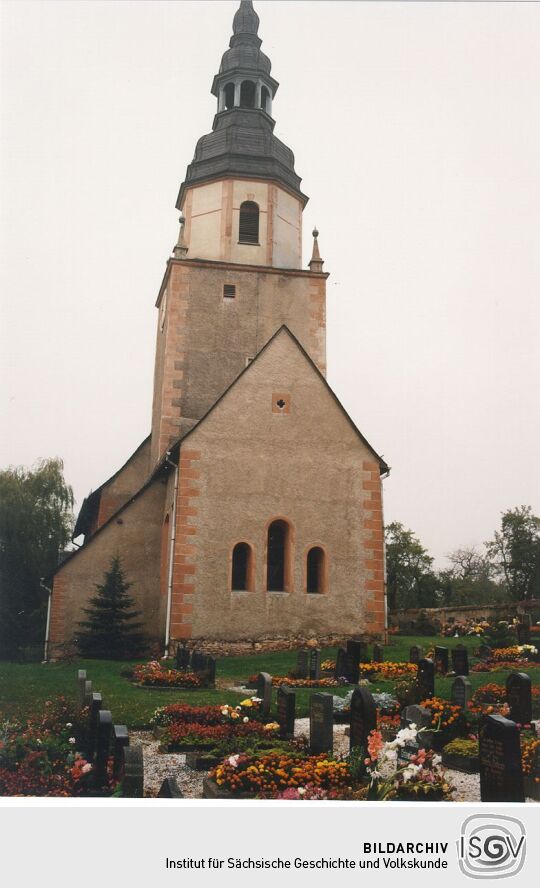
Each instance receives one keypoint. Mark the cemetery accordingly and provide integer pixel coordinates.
(424, 719)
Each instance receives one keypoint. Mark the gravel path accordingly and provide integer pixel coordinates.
(159, 765)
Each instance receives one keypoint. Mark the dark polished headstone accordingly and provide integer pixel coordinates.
(485, 652)
(104, 733)
(302, 663)
(441, 659)
(264, 692)
(460, 660)
(286, 712)
(501, 774)
(120, 740)
(321, 723)
(358, 650)
(461, 692)
(81, 683)
(426, 678)
(416, 653)
(519, 697)
(363, 717)
(315, 664)
(523, 633)
(378, 653)
(341, 664)
(93, 721)
(182, 657)
(170, 790)
(133, 773)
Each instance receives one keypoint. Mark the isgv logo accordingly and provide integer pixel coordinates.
(491, 846)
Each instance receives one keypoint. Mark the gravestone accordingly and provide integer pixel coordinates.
(133, 773)
(321, 723)
(302, 663)
(81, 685)
(363, 717)
(104, 732)
(415, 654)
(93, 721)
(426, 678)
(460, 660)
(359, 651)
(197, 661)
(209, 670)
(286, 712)
(461, 692)
(441, 659)
(341, 664)
(352, 668)
(315, 664)
(501, 775)
(523, 633)
(519, 697)
(421, 718)
(484, 652)
(87, 693)
(182, 657)
(378, 653)
(264, 692)
(120, 740)
(170, 790)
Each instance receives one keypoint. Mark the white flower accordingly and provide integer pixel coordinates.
(72, 740)
(86, 768)
(245, 719)
(301, 790)
(39, 742)
(436, 760)
(233, 760)
(257, 699)
(238, 708)
(69, 725)
(224, 711)
(410, 771)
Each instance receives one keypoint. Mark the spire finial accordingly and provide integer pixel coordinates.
(180, 249)
(246, 20)
(316, 263)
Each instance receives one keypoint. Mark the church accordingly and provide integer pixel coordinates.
(251, 516)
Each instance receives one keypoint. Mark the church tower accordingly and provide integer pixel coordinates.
(236, 274)
(252, 514)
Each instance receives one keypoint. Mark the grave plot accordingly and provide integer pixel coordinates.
(195, 671)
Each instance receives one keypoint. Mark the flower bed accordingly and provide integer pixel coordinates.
(396, 776)
(268, 776)
(530, 757)
(178, 737)
(182, 713)
(39, 757)
(289, 682)
(154, 675)
(462, 755)
(388, 671)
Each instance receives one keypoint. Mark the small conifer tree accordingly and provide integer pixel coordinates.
(109, 632)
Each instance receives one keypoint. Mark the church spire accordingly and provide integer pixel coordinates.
(242, 142)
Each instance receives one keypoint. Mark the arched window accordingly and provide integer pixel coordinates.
(229, 96)
(278, 559)
(248, 230)
(247, 94)
(265, 95)
(315, 571)
(242, 567)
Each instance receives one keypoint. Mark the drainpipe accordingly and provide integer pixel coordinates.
(48, 625)
(171, 555)
(383, 478)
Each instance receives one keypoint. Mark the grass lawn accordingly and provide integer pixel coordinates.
(25, 687)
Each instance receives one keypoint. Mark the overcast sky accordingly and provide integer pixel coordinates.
(416, 131)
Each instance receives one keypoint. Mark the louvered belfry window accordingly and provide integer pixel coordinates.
(249, 223)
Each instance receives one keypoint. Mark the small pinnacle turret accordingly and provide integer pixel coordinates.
(316, 263)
